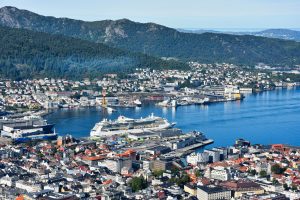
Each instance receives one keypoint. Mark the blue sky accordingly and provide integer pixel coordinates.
(208, 14)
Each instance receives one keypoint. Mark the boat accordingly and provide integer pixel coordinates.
(110, 110)
(168, 103)
(124, 125)
(137, 102)
(22, 121)
(202, 101)
(27, 133)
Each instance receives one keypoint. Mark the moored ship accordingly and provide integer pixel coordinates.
(127, 125)
(29, 132)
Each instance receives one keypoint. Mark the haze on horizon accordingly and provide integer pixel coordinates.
(194, 14)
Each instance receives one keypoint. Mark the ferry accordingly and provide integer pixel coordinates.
(127, 125)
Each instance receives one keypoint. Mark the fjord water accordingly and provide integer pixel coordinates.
(267, 118)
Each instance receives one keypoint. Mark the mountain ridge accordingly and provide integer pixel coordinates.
(161, 41)
(279, 33)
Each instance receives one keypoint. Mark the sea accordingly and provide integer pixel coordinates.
(269, 117)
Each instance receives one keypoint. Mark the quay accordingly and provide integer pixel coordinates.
(187, 150)
(196, 146)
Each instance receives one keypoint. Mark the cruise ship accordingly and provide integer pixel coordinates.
(28, 120)
(27, 133)
(127, 125)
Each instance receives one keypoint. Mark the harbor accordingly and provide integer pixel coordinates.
(252, 118)
(221, 122)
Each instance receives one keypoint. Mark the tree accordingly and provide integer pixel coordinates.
(253, 172)
(276, 169)
(198, 173)
(286, 187)
(183, 180)
(263, 173)
(138, 183)
(180, 181)
(175, 171)
(294, 187)
(275, 181)
(158, 173)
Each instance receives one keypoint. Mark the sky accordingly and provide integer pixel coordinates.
(196, 14)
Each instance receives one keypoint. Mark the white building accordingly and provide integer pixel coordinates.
(214, 156)
(197, 158)
(29, 187)
(116, 165)
(218, 173)
(6, 180)
(223, 152)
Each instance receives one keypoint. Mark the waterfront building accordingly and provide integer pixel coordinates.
(158, 150)
(223, 152)
(197, 158)
(242, 142)
(213, 156)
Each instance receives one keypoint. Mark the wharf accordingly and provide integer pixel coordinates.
(187, 150)
(196, 146)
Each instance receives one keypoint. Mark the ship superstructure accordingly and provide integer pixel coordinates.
(124, 125)
(23, 132)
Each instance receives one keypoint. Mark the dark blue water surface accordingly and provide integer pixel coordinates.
(268, 117)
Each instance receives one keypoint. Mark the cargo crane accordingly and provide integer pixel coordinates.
(104, 102)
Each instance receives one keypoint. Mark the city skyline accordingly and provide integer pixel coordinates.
(215, 14)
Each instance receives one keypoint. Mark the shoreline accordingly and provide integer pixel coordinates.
(52, 110)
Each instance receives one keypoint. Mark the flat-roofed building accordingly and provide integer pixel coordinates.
(212, 193)
(242, 187)
(161, 165)
(213, 156)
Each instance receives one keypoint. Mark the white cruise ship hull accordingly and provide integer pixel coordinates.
(99, 131)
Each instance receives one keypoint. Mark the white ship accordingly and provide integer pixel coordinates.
(127, 125)
(137, 102)
(168, 103)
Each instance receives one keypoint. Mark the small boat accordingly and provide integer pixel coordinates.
(110, 110)
(137, 102)
(168, 103)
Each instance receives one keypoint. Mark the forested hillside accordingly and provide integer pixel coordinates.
(27, 54)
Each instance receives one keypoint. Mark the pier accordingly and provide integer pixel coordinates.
(187, 150)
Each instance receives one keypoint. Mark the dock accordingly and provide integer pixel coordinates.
(187, 150)
(196, 146)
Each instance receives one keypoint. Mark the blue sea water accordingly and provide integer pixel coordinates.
(266, 118)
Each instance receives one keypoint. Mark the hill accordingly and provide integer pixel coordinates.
(285, 34)
(161, 41)
(28, 54)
